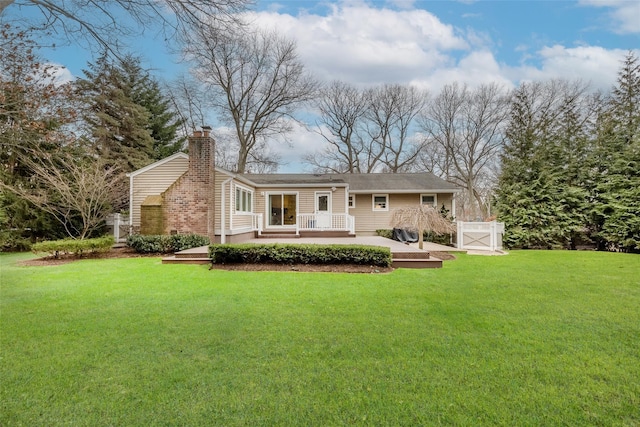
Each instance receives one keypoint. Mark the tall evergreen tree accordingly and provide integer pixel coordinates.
(616, 213)
(118, 125)
(540, 193)
(164, 123)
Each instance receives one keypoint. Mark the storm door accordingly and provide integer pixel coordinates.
(323, 209)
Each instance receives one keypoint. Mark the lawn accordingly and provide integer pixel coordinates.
(529, 339)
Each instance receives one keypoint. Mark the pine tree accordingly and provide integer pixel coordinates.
(567, 152)
(525, 188)
(163, 123)
(118, 125)
(616, 213)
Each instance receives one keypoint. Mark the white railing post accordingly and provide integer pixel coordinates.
(257, 223)
(492, 236)
(116, 227)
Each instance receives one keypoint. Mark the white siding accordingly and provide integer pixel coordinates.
(368, 220)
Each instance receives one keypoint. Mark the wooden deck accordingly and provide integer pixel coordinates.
(403, 255)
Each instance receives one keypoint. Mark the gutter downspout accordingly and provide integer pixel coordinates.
(130, 204)
(223, 214)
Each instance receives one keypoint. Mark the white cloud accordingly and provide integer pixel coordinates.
(624, 13)
(303, 142)
(592, 64)
(475, 69)
(365, 45)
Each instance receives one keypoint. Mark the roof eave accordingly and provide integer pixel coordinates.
(160, 162)
(421, 190)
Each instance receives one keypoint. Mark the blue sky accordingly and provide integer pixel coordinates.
(430, 43)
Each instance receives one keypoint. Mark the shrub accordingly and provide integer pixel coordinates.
(300, 254)
(74, 246)
(162, 243)
(385, 233)
(13, 241)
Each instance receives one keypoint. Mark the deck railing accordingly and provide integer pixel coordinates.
(325, 222)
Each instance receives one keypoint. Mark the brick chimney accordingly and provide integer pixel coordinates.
(189, 204)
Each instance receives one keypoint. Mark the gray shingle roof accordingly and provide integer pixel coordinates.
(292, 178)
(366, 182)
(396, 182)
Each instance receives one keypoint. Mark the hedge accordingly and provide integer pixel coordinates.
(163, 244)
(74, 246)
(300, 254)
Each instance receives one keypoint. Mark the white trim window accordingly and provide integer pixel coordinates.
(351, 201)
(429, 200)
(380, 202)
(244, 200)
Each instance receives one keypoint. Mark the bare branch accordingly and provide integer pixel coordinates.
(257, 83)
(108, 23)
(78, 194)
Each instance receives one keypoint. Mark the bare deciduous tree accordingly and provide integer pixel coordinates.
(421, 218)
(464, 135)
(189, 101)
(342, 107)
(368, 130)
(77, 193)
(109, 22)
(390, 115)
(256, 81)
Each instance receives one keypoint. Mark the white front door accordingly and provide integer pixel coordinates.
(323, 209)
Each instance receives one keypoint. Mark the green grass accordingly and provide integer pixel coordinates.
(528, 339)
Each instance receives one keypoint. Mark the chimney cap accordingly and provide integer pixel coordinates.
(206, 128)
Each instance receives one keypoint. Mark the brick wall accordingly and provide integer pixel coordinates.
(188, 205)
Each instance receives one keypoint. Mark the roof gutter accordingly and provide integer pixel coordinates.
(392, 191)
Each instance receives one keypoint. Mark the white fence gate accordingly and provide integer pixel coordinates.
(484, 236)
(119, 226)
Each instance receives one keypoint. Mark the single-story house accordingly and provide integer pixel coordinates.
(188, 194)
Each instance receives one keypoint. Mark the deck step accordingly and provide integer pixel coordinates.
(325, 233)
(183, 260)
(417, 263)
(410, 255)
(182, 255)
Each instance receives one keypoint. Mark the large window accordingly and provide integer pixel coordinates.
(380, 202)
(282, 209)
(244, 200)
